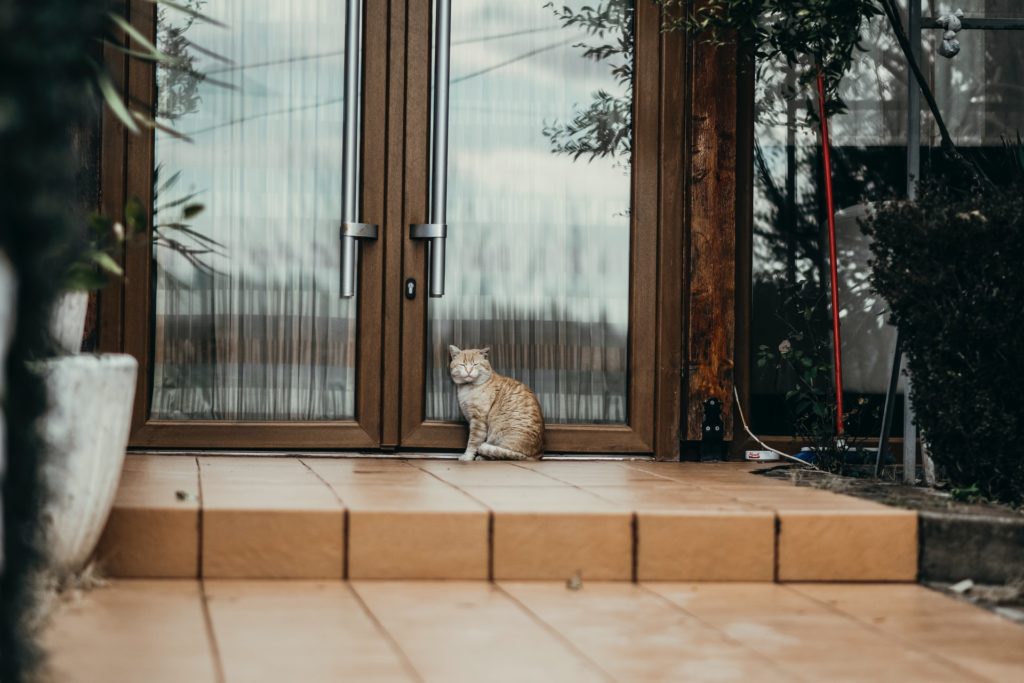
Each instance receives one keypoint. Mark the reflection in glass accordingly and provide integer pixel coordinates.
(979, 93)
(538, 205)
(251, 327)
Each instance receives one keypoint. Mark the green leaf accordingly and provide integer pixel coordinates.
(151, 123)
(192, 210)
(106, 262)
(134, 216)
(113, 99)
(189, 11)
(81, 278)
(134, 34)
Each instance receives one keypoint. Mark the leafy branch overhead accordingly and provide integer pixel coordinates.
(174, 59)
(807, 34)
(604, 128)
(810, 36)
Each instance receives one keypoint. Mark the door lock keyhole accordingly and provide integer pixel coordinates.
(410, 288)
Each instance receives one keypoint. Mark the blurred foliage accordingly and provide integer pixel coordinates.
(47, 53)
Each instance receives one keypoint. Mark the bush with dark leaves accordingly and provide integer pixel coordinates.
(951, 265)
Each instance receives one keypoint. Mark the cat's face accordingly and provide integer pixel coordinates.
(469, 366)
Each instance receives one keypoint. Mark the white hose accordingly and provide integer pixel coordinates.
(746, 428)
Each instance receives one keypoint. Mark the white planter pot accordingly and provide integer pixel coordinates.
(86, 429)
(68, 323)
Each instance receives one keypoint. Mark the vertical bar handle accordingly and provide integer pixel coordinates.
(436, 230)
(351, 228)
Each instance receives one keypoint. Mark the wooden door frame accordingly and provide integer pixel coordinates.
(655, 251)
(687, 121)
(128, 172)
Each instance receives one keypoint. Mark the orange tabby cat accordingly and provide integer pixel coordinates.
(505, 422)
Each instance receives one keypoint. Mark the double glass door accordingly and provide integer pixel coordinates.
(340, 191)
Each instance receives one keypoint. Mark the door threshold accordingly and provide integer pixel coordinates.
(389, 455)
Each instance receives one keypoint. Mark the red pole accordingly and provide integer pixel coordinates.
(837, 354)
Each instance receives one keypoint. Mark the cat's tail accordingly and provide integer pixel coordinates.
(498, 453)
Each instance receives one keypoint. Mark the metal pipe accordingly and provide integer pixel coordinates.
(979, 23)
(890, 402)
(837, 352)
(439, 141)
(350, 141)
(913, 171)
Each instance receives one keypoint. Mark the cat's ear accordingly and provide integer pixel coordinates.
(484, 351)
(454, 350)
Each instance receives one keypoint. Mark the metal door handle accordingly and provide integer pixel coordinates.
(436, 229)
(351, 228)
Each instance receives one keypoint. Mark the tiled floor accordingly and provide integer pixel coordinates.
(227, 631)
(334, 518)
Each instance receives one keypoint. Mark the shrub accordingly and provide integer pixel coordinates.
(949, 265)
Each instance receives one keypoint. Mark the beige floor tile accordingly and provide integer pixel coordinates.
(132, 632)
(969, 637)
(666, 496)
(698, 473)
(277, 631)
(278, 521)
(153, 528)
(635, 635)
(582, 473)
(253, 469)
(557, 532)
(366, 471)
(847, 545)
(485, 473)
(455, 632)
(811, 640)
(710, 545)
(426, 531)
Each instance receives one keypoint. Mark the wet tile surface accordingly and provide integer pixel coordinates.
(454, 631)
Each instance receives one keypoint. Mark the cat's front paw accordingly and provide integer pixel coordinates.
(467, 456)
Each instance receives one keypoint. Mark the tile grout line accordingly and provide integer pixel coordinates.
(345, 543)
(211, 635)
(490, 516)
(490, 545)
(536, 618)
(777, 536)
(634, 537)
(868, 626)
(395, 645)
(200, 519)
(634, 528)
(738, 643)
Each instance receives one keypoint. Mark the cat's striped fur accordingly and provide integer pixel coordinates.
(505, 421)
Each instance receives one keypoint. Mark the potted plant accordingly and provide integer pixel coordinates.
(86, 426)
(94, 263)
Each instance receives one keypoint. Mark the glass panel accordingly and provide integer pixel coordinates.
(539, 205)
(979, 95)
(790, 276)
(249, 324)
(980, 91)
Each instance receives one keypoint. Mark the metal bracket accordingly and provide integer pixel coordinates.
(428, 231)
(364, 231)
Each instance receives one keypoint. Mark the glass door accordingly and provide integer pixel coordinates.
(265, 298)
(338, 190)
(548, 237)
